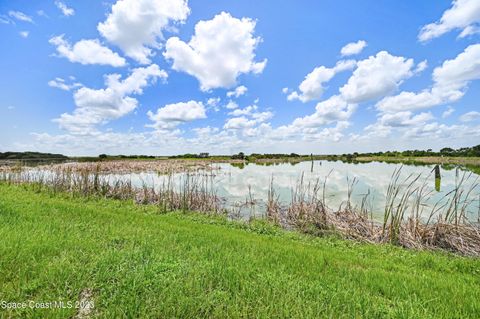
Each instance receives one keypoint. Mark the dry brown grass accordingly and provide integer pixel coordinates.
(132, 166)
(446, 226)
(404, 222)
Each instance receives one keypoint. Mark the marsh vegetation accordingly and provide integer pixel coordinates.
(404, 210)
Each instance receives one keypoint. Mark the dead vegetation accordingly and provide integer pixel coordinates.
(407, 220)
(126, 167)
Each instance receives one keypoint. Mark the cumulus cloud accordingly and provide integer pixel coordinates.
(239, 91)
(20, 16)
(326, 112)
(421, 66)
(61, 84)
(245, 111)
(171, 115)
(450, 83)
(464, 15)
(353, 48)
(376, 77)
(137, 26)
(66, 11)
(470, 116)
(449, 111)
(214, 103)
(237, 123)
(220, 50)
(312, 87)
(403, 122)
(86, 52)
(95, 107)
(403, 119)
(24, 34)
(262, 116)
(231, 105)
(436, 131)
(248, 121)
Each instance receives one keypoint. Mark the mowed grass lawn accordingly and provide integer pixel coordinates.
(140, 264)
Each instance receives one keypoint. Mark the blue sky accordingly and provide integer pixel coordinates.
(170, 76)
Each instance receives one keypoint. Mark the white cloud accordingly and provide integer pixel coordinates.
(171, 115)
(220, 50)
(239, 91)
(312, 87)
(353, 48)
(95, 107)
(435, 131)
(20, 16)
(449, 111)
(64, 8)
(403, 119)
(421, 66)
(247, 119)
(450, 83)
(136, 26)
(470, 30)
(403, 122)
(231, 105)
(86, 52)
(238, 123)
(376, 77)
(464, 14)
(262, 116)
(470, 116)
(24, 34)
(285, 90)
(60, 83)
(245, 111)
(214, 102)
(326, 112)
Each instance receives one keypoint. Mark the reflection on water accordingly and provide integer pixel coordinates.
(238, 182)
(437, 184)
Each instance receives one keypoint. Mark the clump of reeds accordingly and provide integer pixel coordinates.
(194, 193)
(133, 166)
(404, 222)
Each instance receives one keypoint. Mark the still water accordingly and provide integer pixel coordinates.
(238, 183)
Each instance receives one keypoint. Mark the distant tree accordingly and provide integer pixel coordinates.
(240, 155)
(447, 150)
(102, 156)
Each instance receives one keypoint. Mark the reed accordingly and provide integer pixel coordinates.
(195, 192)
(404, 223)
(127, 167)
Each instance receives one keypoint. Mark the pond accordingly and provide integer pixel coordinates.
(238, 183)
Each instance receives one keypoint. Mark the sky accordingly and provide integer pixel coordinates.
(163, 77)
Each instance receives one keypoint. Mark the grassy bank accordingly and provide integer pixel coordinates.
(133, 262)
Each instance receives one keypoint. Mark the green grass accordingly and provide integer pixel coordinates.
(143, 264)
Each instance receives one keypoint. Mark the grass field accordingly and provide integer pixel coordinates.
(133, 262)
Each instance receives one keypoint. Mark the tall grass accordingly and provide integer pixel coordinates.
(404, 223)
(194, 192)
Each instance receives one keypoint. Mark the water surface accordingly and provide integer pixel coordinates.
(240, 182)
